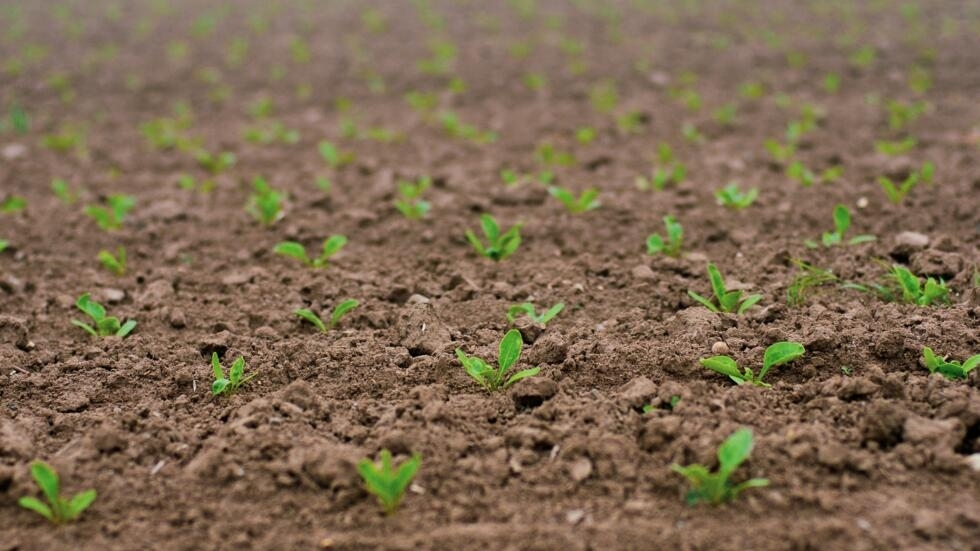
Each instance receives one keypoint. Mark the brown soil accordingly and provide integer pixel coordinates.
(874, 457)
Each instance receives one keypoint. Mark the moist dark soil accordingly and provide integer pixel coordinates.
(863, 448)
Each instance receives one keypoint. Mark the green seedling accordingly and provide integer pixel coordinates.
(231, 384)
(949, 368)
(908, 288)
(752, 90)
(527, 309)
(267, 131)
(18, 120)
(456, 128)
(585, 202)
(671, 246)
(671, 404)
(105, 326)
(901, 114)
(896, 192)
(806, 177)
(891, 148)
(499, 245)
(725, 115)
(265, 203)
(331, 246)
(13, 204)
(111, 216)
(115, 263)
(604, 97)
(692, 134)
(777, 354)
(386, 482)
(927, 173)
(732, 197)
(323, 184)
(780, 153)
(550, 156)
(728, 301)
(842, 221)
(63, 192)
(585, 135)
(496, 379)
(807, 278)
(864, 57)
(214, 163)
(338, 312)
(831, 83)
(716, 488)
(58, 510)
(334, 157)
(4, 244)
(660, 177)
(411, 204)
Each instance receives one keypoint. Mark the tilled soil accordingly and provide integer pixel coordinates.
(864, 448)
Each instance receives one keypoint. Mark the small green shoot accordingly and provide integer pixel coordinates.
(111, 216)
(338, 312)
(13, 204)
(499, 245)
(63, 192)
(115, 263)
(265, 203)
(777, 354)
(4, 244)
(214, 163)
(807, 278)
(411, 204)
(951, 369)
(903, 286)
(334, 157)
(728, 301)
(105, 326)
(331, 246)
(527, 309)
(386, 482)
(716, 488)
(494, 379)
(896, 192)
(732, 197)
(671, 246)
(585, 202)
(842, 221)
(231, 384)
(58, 510)
(892, 148)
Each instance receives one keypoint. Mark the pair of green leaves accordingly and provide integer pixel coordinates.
(58, 510)
(265, 203)
(338, 312)
(585, 202)
(491, 378)
(105, 326)
(777, 354)
(715, 488)
(499, 245)
(386, 482)
(732, 197)
(951, 369)
(527, 309)
(671, 246)
(4, 244)
(115, 263)
(235, 378)
(728, 301)
(111, 216)
(912, 289)
(842, 222)
(411, 204)
(896, 192)
(661, 177)
(331, 246)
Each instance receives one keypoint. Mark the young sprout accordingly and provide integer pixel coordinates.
(333, 156)
(112, 216)
(527, 309)
(716, 488)
(215, 164)
(585, 135)
(842, 221)
(777, 354)
(13, 204)
(494, 379)
(338, 312)
(732, 197)
(587, 201)
(411, 204)
(891, 148)
(499, 245)
(780, 152)
(949, 368)
(4, 244)
(229, 385)
(114, 263)
(725, 114)
(908, 288)
(807, 278)
(105, 326)
(386, 482)
(901, 114)
(58, 510)
(63, 192)
(831, 83)
(728, 301)
(265, 204)
(323, 184)
(331, 246)
(896, 193)
(670, 246)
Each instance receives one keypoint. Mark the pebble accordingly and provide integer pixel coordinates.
(177, 319)
(643, 272)
(113, 295)
(720, 348)
(14, 151)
